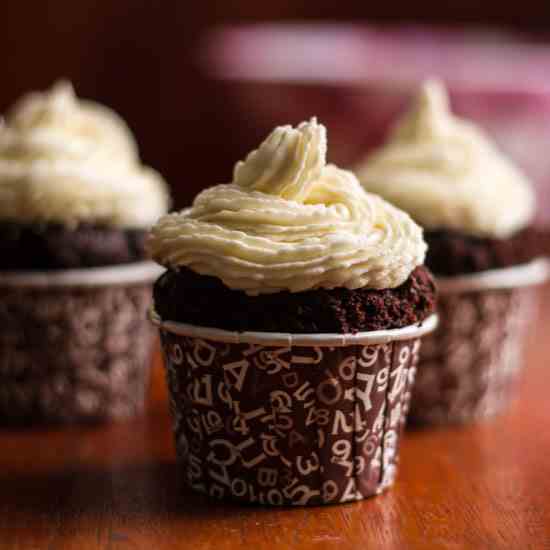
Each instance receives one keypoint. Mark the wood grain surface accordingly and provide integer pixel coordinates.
(118, 487)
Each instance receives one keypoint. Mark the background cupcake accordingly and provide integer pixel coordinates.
(290, 319)
(75, 206)
(477, 209)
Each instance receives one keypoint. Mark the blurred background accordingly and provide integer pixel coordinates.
(201, 82)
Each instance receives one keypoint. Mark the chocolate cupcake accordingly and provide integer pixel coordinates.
(75, 282)
(477, 209)
(290, 316)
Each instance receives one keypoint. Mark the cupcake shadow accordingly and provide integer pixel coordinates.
(154, 490)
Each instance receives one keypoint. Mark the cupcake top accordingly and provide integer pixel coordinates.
(288, 221)
(446, 173)
(66, 161)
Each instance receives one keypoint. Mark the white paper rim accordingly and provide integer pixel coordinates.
(288, 339)
(534, 273)
(134, 273)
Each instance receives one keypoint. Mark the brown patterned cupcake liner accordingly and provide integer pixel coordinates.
(470, 366)
(75, 345)
(281, 419)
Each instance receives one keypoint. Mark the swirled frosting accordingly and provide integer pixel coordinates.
(289, 221)
(65, 160)
(446, 173)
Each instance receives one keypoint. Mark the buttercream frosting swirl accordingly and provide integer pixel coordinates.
(65, 160)
(289, 221)
(447, 174)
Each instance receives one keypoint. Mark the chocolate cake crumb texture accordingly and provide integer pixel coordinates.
(187, 297)
(452, 253)
(53, 246)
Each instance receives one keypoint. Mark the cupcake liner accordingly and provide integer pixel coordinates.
(470, 365)
(75, 345)
(282, 419)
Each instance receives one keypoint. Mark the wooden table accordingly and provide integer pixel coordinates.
(118, 487)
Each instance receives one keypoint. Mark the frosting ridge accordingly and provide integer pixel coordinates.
(66, 160)
(446, 173)
(290, 222)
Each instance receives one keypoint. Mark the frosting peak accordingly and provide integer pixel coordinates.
(66, 160)
(446, 173)
(286, 163)
(57, 123)
(430, 117)
(290, 222)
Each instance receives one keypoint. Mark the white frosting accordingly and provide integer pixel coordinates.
(287, 163)
(66, 160)
(446, 173)
(290, 222)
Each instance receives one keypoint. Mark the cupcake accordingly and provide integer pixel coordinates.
(75, 283)
(477, 210)
(290, 317)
